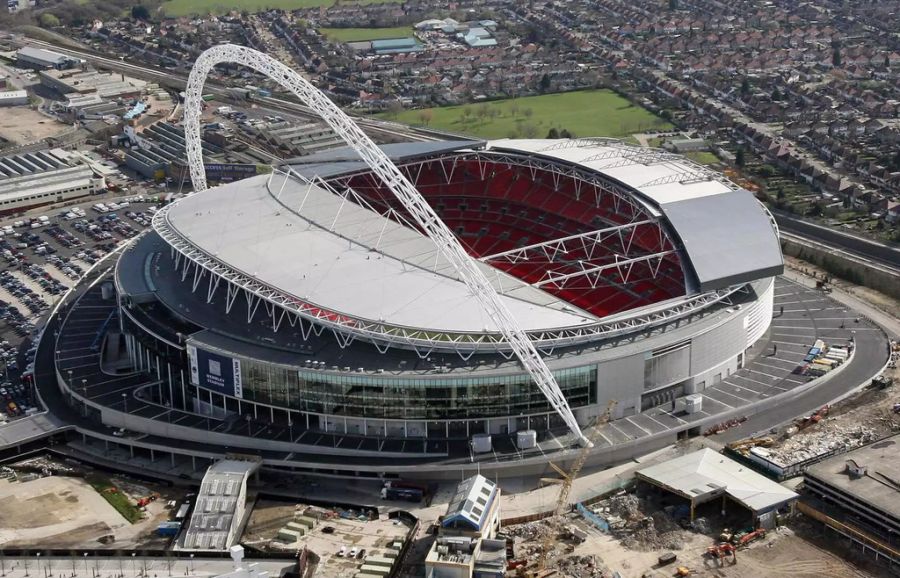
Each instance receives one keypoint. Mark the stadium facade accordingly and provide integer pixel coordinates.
(304, 314)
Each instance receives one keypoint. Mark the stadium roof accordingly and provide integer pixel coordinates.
(704, 475)
(727, 234)
(348, 259)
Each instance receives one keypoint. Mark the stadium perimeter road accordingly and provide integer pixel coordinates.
(807, 315)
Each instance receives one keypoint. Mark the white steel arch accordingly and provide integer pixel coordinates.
(399, 185)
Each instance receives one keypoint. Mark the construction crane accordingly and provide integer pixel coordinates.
(565, 482)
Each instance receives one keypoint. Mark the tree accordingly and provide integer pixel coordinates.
(425, 116)
(565, 134)
(739, 157)
(836, 57)
(394, 108)
(673, 4)
(745, 86)
(529, 130)
(466, 113)
(545, 82)
(482, 112)
(49, 20)
(514, 109)
(527, 112)
(553, 133)
(140, 12)
(776, 94)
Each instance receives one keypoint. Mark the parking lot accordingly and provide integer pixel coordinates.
(41, 256)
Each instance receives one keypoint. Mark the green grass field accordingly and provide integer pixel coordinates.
(584, 113)
(361, 34)
(116, 499)
(703, 157)
(175, 8)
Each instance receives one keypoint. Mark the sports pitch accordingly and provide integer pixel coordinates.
(582, 113)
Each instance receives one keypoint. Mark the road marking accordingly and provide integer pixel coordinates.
(656, 420)
(769, 375)
(732, 395)
(629, 420)
(618, 429)
(720, 402)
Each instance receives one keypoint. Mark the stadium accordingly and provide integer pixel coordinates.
(420, 308)
(306, 301)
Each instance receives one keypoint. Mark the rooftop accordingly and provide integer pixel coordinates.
(705, 475)
(342, 257)
(41, 54)
(472, 503)
(879, 488)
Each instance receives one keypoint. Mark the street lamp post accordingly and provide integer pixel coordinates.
(85, 563)
(133, 554)
(125, 401)
(38, 562)
(192, 564)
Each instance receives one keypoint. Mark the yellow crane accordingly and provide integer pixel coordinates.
(565, 486)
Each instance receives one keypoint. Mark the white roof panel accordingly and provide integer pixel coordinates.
(348, 259)
(645, 170)
(706, 474)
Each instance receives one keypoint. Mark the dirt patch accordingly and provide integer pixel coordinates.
(23, 125)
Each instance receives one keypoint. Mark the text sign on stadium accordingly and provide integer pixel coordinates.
(216, 372)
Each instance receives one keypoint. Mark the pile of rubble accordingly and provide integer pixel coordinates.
(636, 530)
(823, 440)
(588, 566)
(529, 531)
(645, 535)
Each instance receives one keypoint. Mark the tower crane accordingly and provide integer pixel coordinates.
(565, 482)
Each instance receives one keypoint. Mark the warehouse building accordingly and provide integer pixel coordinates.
(13, 98)
(83, 82)
(855, 494)
(40, 59)
(33, 179)
(705, 476)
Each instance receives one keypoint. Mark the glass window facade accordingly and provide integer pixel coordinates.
(410, 398)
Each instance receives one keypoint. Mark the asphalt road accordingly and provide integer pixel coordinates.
(879, 252)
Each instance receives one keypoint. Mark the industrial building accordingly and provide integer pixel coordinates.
(706, 476)
(159, 151)
(466, 544)
(13, 98)
(40, 59)
(396, 46)
(104, 85)
(287, 139)
(33, 179)
(855, 494)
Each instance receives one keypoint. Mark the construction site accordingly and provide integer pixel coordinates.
(644, 531)
(48, 503)
(338, 541)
